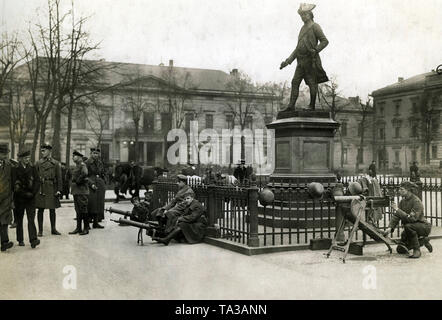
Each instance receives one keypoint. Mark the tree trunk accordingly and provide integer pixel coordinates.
(43, 124)
(68, 134)
(56, 143)
(35, 142)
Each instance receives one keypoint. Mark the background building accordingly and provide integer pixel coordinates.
(407, 123)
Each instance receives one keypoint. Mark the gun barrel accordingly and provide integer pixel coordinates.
(375, 201)
(135, 223)
(117, 211)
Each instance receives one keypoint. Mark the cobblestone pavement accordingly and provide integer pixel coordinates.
(109, 265)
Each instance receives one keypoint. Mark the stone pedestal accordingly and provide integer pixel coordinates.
(304, 147)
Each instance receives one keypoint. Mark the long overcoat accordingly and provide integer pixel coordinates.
(96, 172)
(6, 199)
(194, 222)
(49, 174)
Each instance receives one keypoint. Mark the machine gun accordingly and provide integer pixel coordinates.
(152, 228)
(132, 215)
(358, 205)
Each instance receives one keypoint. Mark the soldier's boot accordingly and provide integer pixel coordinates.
(95, 224)
(52, 217)
(35, 243)
(428, 245)
(7, 245)
(40, 222)
(78, 228)
(416, 253)
(86, 227)
(169, 237)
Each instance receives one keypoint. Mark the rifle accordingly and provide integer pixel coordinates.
(372, 201)
(152, 228)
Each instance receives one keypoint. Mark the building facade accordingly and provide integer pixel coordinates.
(407, 123)
(159, 98)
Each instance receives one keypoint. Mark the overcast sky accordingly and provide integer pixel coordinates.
(372, 42)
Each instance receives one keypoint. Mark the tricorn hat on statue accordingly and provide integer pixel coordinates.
(23, 154)
(305, 7)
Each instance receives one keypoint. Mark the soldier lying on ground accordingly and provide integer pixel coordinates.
(190, 226)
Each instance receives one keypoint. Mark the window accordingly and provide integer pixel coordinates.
(148, 122)
(381, 110)
(397, 132)
(434, 151)
(127, 115)
(414, 108)
(435, 121)
(81, 120)
(381, 133)
(105, 120)
(396, 156)
(209, 121)
(166, 122)
(229, 121)
(248, 122)
(360, 128)
(344, 129)
(30, 118)
(360, 157)
(413, 155)
(397, 107)
(344, 155)
(81, 148)
(187, 119)
(4, 119)
(414, 130)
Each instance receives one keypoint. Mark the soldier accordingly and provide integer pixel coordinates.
(240, 171)
(80, 191)
(49, 173)
(66, 176)
(6, 200)
(25, 188)
(372, 169)
(411, 212)
(414, 172)
(96, 173)
(191, 225)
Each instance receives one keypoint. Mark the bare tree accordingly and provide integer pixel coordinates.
(330, 98)
(243, 102)
(429, 122)
(9, 58)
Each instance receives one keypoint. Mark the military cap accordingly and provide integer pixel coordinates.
(408, 185)
(182, 177)
(95, 150)
(46, 146)
(76, 153)
(23, 154)
(305, 7)
(4, 149)
(189, 192)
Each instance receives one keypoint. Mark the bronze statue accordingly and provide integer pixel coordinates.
(307, 51)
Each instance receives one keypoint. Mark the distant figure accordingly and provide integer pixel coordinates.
(66, 177)
(414, 172)
(249, 172)
(240, 171)
(372, 169)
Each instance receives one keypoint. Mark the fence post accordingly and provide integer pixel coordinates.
(253, 239)
(212, 230)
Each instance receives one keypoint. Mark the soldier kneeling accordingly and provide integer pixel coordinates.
(411, 212)
(190, 226)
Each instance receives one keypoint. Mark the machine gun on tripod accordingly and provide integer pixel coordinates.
(133, 216)
(358, 205)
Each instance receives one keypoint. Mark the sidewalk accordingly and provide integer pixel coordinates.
(108, 264)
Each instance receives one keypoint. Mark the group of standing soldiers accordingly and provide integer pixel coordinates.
(25, 187)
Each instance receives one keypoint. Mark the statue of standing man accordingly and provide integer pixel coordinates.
(307, 51)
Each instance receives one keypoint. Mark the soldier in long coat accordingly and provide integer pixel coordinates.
(6, 199)
(25, 188)
(51, 184)
(80, 191)
(96, 173)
